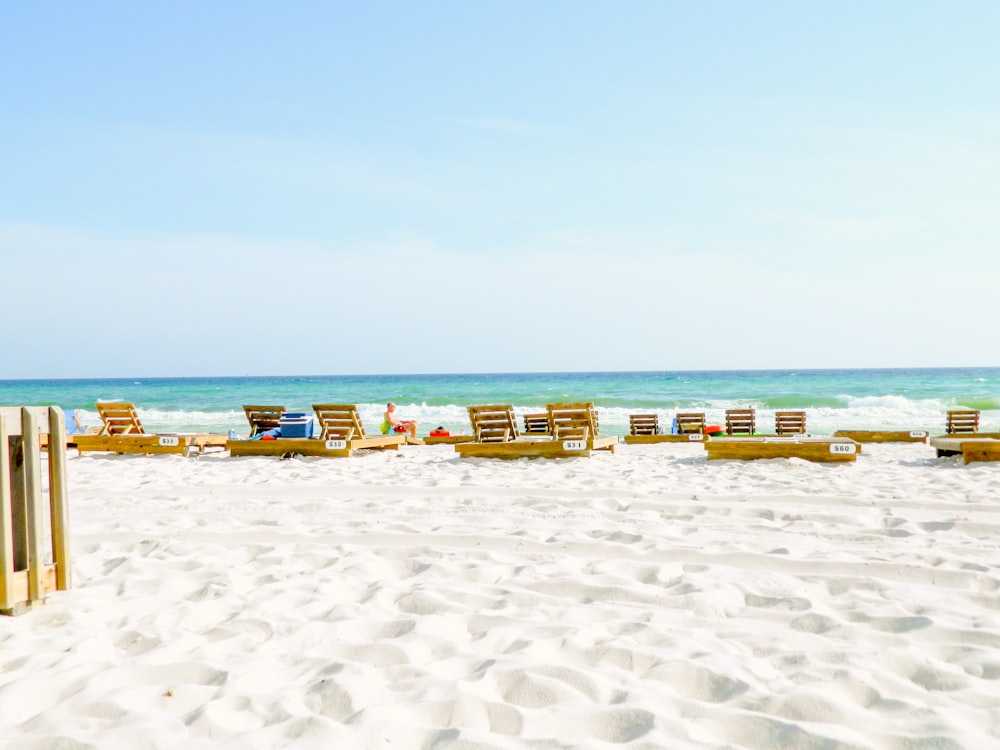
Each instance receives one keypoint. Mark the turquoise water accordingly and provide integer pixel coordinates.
(833, 399)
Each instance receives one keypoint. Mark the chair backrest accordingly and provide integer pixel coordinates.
(643, 424)
(689, 423)
(790, 422)
(339, 421)
(119, 418)
(572, 421)
(740, 421)
(963, 420)
(536, 424)
(493, 423)
(263, 418)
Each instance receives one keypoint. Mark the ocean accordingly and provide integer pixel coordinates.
(911, 399)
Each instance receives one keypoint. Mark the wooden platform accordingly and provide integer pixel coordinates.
(980, 450)
(954, 445)
(884, 436)
(313, 446)
(448, 439)
(180, 444)
(537, 448)
(694, 437)
(819, 449)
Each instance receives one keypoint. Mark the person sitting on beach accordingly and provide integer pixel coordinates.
(392, 423)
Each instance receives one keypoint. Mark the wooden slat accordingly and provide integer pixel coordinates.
(534, 449)
(572, 421)
(7, 589)
(694, 437)
(58, 499)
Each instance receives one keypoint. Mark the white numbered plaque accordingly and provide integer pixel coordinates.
(845, 449)
(574, 445)
(336, 445)
(696, 436)
(169, 442)
(918, 434)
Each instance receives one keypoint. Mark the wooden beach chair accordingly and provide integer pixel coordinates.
(122, 432)
(643, 424)
(536, 424)
(572, 427)
(118, 418)
(690, 423)
(341, 434)
(962, 421)
(790, 422)
(263, 418)
(740, 421)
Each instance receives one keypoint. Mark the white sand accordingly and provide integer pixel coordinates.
(413, 600)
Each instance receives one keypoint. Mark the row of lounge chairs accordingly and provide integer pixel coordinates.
(562, 430)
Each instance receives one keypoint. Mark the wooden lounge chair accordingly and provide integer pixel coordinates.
(263, 418)
(740, 421)
(690, 423)
(643, 424)
(790, 422)
(962, 421)
(341, 434)
(821, 449)
(122, 432)
(573, 429)
(536, 424)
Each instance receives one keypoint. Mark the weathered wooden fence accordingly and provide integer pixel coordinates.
(30, 565)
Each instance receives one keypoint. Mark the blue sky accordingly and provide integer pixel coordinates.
(234, 188)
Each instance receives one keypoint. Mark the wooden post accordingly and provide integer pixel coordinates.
(33, 498)
(6, 524)
(58, 505)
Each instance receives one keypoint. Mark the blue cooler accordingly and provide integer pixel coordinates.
(293, 425)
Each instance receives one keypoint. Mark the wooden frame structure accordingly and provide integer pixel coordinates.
(573, 433)
(884, 436)
(536, 423)
(819, 449)
(263, 418)
(341, 434)
(979, 444)
(741, 421)
(962, 421)
(25, 576)
(122, 432)
(790, 422)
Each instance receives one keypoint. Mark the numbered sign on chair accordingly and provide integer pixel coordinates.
(336, 445)
(574, 445)
(843, 449)
(918, 434)
(696, 436)
(169, 442)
